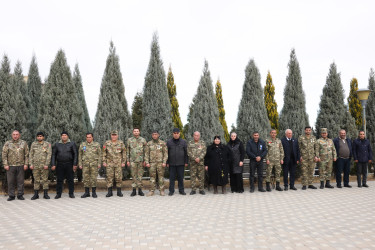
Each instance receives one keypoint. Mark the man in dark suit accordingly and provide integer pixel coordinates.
(291, 158)
(343, 147)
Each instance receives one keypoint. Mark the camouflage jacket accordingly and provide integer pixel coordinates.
(156, 152)
(325, 149)
(15, 153)
(89, 153)
(136, 149)
(114, 152)
(275, 150)
(306, 147)
(196, 150)
(40, 153)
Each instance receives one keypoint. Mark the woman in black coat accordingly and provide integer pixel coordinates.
(236, 170)
(217, 162)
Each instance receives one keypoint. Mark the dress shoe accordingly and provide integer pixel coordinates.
(312, 187)
(347, 186)
(251, 190)
(339, 186)
(303, 187)
(293, 188)
(171, 193)
(182, 193)
(261, 190)
(10, 198)
(365, 185)
(285, 188)
(72, 196)
(20, 197)
(58, 196)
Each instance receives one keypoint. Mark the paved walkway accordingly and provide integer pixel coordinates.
(312, 219)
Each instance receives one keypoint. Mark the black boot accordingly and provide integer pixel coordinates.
(87, 193)
(119, 192)
(134, 193)
(140, 192)
(312, 187)
(36, 195)
(94, 193)
(45, 196)
(322, 185)
(109, 194)
(268, 188)
(328, 185)
(278, 188)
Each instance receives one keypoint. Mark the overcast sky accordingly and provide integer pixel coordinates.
(226, 33)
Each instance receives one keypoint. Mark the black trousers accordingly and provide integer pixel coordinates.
(236, 182)
(361, 170)
(258, 165)
(289, 167)
(179, 170)
(64, 170)
(15, 175)
(342, 165)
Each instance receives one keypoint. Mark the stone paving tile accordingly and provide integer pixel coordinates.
(311, 219)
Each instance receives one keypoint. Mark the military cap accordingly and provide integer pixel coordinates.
(323, 130)
(64, 133)
(114, 132)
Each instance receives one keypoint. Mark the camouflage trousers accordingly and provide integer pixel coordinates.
(40, 177)
(325, 170)
(277, 167)
(114, 172)
(197, 174)
(157, 176)
(308, 169)
(90, 174)
(137, 172)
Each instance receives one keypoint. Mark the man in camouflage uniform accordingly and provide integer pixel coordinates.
(306, 145)
(156, 156)
(15, 157)
(196, 152)
(136, 150)
(89, 159)
(40, 158)
(114, 158)
(325, 152)
(274, 159)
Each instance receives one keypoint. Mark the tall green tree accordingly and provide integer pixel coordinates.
(220, 105)
(137, 110)
(112, 112)
(204, 112)
(293, 114)
(252, 113)
(355, 107)
(176, 119)
(59, 108)
(156, 106)
(77, 81)
(370, 110)
(333, 113)
(270, 103)
(34, 90)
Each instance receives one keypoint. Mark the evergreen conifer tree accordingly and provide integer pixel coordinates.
(293, 114)
(333, 114)
(252, 113)
(370, 110)
(355, 107)
(137, 110)
(156, 108)
(176, 119)
(77, 82)
(112, 112)
(34, 90)
(204, 113)
(270, 103)
(59, 108)
(220, 105)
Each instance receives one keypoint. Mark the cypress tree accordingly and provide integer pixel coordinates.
(355, 107)
(293, 114)
(204, 113)
(270, 103)
(176, 119)
(112, 112)
(156, 108)
(252, 113)
(77, 82)
(333, 113)
(220, 105)
(34, 90)
(137, 110)
(59, 108)
(370, 110)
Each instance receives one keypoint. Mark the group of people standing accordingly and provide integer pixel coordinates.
(218, 160)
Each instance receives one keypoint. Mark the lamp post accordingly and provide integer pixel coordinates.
(363, 96)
